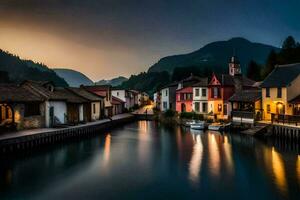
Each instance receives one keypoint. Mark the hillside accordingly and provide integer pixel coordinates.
(215, 56)
(113, 82)
(73, 78)
(19, 70)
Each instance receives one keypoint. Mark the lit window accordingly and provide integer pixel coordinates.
(268, 108)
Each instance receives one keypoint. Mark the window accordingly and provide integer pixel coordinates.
(204, 107)
(94, 108)
(189, 96)
(197, 93)
(225, 109)
(219, 107)
(117, 93)
(197, 106)
(268, 108)
(267, 92)
(279, 92)
(166, 93)
(165, 105)
(215, 92)
(203, 92)
(181, 96)
(32, 109)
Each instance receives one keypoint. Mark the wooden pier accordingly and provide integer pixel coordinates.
(23, 140)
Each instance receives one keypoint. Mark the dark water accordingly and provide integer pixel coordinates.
(143, 160)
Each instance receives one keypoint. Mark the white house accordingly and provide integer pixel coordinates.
(168, 97)
(200, 96)
(126, 96)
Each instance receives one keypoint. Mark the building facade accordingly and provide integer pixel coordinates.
(200, 96)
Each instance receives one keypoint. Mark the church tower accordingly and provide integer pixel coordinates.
(234, 66)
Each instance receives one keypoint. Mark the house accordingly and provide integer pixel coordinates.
(246, 107)
(222, 87)
(156, 99)
(92, 109)
(20, 108)
(184, 99)
(184, 93)
(280, 91)
(61, 106)
(200, 96)
(136, 97)
(105, 92)
(118, 105)
(126, 96)
(168, 97)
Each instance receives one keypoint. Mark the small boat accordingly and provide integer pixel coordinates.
(218, 126)
(188, 123)
(198, 125)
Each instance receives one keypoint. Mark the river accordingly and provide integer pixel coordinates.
(145, 160)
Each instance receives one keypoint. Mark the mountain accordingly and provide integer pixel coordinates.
(19, 70)
(215, 56)
(113, 82)
(73, 78)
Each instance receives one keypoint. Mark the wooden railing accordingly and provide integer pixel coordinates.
(285, 119)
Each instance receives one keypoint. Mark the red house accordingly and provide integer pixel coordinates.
(222, 87)
(184, 99)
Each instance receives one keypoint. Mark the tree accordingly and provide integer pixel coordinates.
(270, 65)
(289, 43)
(253, 71)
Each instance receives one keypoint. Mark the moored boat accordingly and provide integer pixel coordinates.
(198, 125)
(218, 126)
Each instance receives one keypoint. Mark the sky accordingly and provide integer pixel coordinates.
(107, 38)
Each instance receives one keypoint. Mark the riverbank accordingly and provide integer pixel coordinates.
(27, 139)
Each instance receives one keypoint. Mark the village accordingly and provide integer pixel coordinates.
(236, 99)
(36, 104)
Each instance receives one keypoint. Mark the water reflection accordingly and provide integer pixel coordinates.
(279, 171)
(106, 151)
(228, 154)
(214, 155)
(298, 168)
(195, 163)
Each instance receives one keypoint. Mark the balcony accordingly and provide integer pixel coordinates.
(285, 119)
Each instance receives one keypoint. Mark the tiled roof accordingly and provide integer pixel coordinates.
(69, 96)
(100, 90)
(228, 80)
(116, 100)
(85, 94)
(203, 82)
(16, 93)
(282, 75)
(38, 88)
(246, 96)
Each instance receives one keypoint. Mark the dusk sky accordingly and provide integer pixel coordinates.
(108, 38)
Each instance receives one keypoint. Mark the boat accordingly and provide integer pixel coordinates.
(218, 126)
(188, 123)
(198, 125)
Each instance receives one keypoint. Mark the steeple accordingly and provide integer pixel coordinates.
(234, 66)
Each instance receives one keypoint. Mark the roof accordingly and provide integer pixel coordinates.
(173, 84)
(85, 94)
(228, 80)
(69, 96)
(116, 100)
(100, 90)
(295, 100)
(246, 96)
(16, 93)
(282, 75)
(203, 82)
(38, 88)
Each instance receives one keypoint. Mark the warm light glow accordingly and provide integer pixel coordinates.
(17, 116)
(107, 148)
(214, 156)
(279, 171)
(228, 154)
(196, 160)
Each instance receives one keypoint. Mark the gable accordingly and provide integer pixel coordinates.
(214, 80)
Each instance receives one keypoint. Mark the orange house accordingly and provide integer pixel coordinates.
(184, 99)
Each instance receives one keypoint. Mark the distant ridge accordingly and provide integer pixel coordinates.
(215, 56)
(73, 78)
(113, 82)
(19, 70)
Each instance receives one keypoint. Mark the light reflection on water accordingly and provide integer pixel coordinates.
(145, 160)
